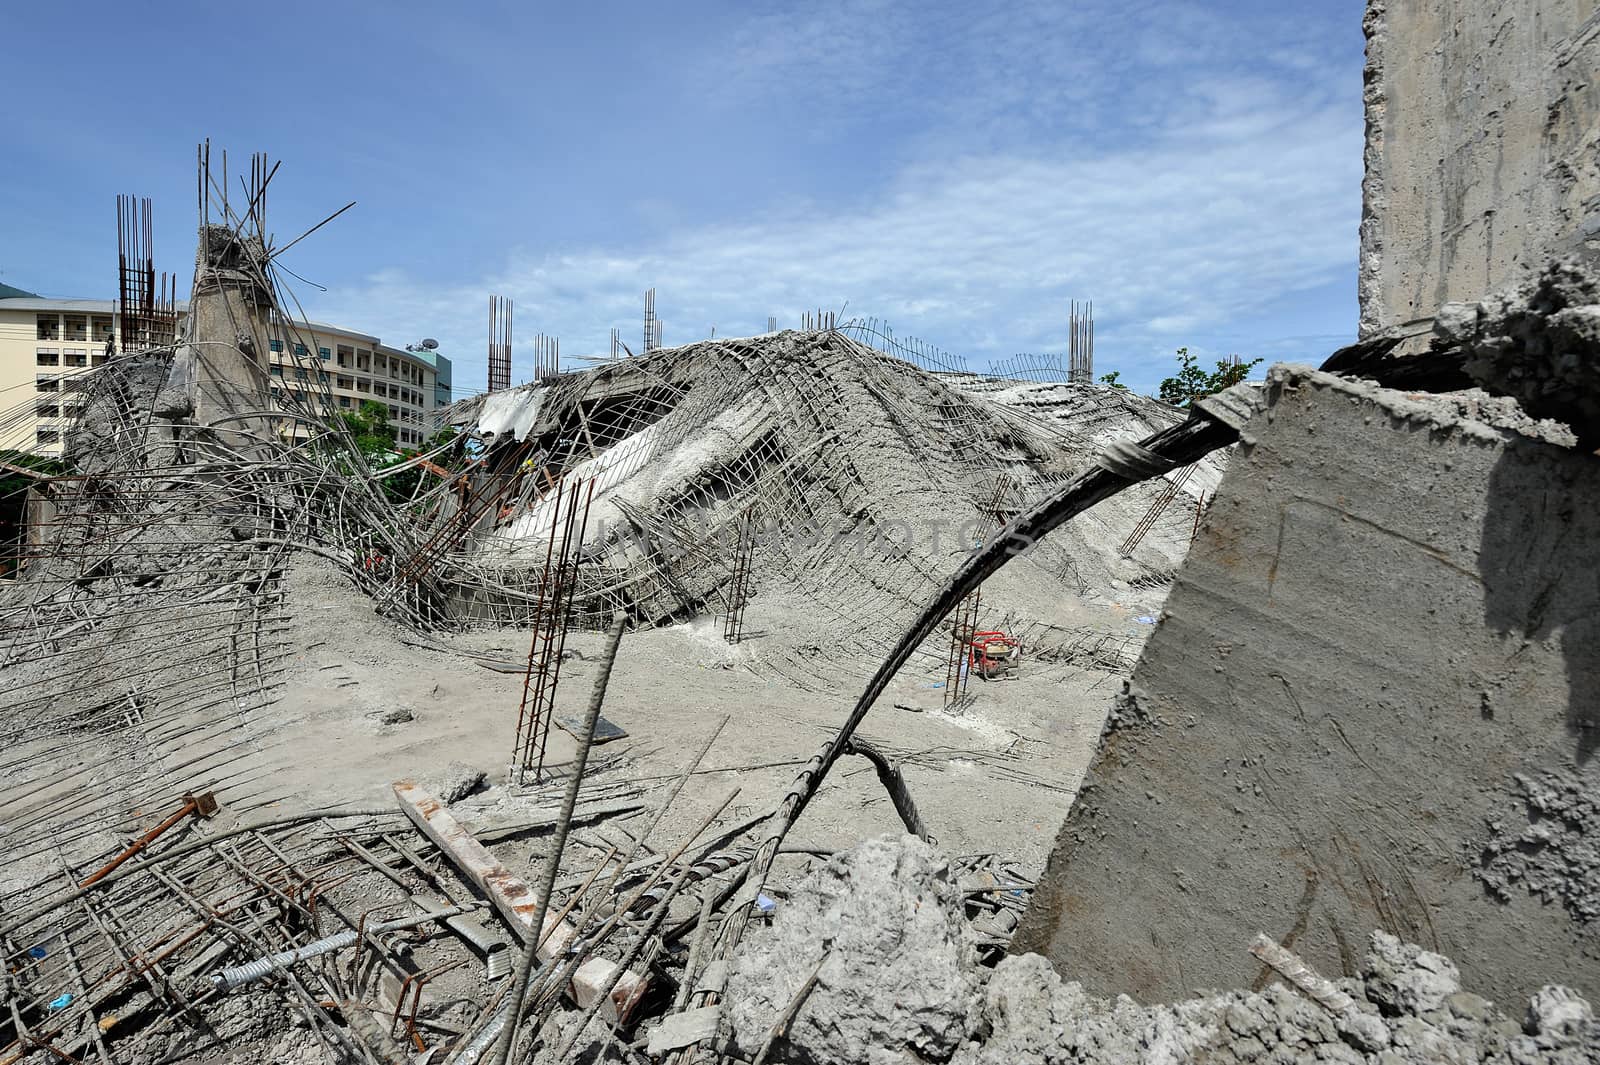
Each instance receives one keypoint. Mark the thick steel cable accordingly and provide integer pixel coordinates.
(1178, 445)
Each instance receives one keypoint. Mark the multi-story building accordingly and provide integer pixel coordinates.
(356, 367)
(45, 343)
(441, 369)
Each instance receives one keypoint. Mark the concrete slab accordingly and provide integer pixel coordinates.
(1376, 668)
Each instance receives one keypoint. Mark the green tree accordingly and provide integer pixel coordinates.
(369, 425)
(1113, 379)
(1191, 382)
(14, 484)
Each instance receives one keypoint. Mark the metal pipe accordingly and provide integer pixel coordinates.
(530, 955)
(250, 972)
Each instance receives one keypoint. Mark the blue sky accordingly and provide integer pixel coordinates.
(962, 170)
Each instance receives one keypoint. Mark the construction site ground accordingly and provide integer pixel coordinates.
(367, 703)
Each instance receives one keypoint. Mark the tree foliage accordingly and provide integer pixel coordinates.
(1191, 381)
(369, 425)
(14, 498)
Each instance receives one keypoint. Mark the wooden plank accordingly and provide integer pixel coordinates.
(517, 903)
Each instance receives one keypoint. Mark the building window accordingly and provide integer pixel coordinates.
(275, 345)
(77, 358)
(47, 436)
(102, 330)
(99, 359)
(48, 408)
(300, 351)
(299, 375)
(344, 401)
(276, 371)
(49, 327)
(46, 384)
(77, 327)
(324, 354)
(48, 357)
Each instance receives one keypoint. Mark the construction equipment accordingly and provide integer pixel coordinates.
(994, 655)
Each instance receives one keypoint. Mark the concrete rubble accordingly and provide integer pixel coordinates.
(879, 936)
(1539, 343)
(899, 911)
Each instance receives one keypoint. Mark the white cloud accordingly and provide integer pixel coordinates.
(1244, 192)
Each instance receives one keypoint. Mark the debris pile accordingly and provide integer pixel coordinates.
(1550, 846)
(836, 981)
(1537, 342)
(865, 479)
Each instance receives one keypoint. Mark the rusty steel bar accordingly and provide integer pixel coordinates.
(202, 805)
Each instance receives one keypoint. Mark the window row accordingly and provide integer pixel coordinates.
(73, 327)
(69, 357)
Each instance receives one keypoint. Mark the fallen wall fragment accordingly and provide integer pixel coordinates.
(1387, 623)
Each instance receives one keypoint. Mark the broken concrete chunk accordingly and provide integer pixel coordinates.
(1402, 978)
(1538, 342)
(683, 1029)
(1558, 1011)
(897, 962)
(391, 715)
(454, 782)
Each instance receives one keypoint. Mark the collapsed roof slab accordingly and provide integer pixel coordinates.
(1373, 700)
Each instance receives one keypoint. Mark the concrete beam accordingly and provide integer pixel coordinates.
(516, 902)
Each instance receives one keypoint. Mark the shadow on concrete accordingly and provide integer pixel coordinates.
(1540, 561)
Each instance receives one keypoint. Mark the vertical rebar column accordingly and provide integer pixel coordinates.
(552, 615)
(739, 581)
(499, 343)
(964, 618)
(652, 336)
(1080, 343)
(145, 312)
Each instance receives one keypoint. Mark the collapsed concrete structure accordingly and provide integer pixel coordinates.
(1369, 703)
(866, 478)
(228, 639)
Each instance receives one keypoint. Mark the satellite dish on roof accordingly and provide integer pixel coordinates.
(430, 344)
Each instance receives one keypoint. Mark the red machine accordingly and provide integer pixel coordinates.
(994, 655)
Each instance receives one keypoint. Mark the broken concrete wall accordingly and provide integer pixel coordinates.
(1483, 148)
(1373, 700)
